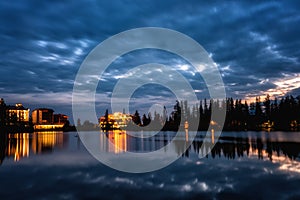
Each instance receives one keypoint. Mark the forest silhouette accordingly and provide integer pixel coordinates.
(270, 115)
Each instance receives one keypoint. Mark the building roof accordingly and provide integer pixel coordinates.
(19, 107)
(48, 109)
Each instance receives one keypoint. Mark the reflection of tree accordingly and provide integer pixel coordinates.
(233, 148)
(290, 149)
(3, 146)
(2, 113)
(180, 148)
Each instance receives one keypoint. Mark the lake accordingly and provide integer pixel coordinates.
(241, 165)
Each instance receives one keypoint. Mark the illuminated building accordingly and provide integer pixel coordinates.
(44, 119)
(267, 126)
(17, 114)
(60, 119)
(116, 120)
(294, 125)
(42, 116)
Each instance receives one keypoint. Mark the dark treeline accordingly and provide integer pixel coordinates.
(266, 114)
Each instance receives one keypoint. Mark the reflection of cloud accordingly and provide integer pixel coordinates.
(292, 166)
(284, 162)
(186, 178)
(124, 180)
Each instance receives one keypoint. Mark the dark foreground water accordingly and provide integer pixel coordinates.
(242, 165)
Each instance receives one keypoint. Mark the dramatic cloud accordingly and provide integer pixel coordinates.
(255, 45)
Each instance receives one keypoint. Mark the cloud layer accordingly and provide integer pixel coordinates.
(255, 45)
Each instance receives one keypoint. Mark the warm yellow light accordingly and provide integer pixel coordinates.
(213, 123)
(283, 86)
(117, 141)
(18, 146)
(117, 119)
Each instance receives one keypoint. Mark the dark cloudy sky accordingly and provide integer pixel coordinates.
(255, 45)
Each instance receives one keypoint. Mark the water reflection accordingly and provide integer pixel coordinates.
(120, 141)
(22, 145)
(18, 145)
(116, 143)
(274, 148)
(277, 147)
(46, 141)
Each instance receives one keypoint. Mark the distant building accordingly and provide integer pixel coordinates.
(44, 119)
(60, 119)
(42, 116)
(116, 120)
(17, 114)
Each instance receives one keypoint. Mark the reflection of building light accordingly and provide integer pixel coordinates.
(114, 141)
(42, 140)
(119, 141)
(18, 145)
(186, 135)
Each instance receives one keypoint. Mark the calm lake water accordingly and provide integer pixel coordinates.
(242, 165)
